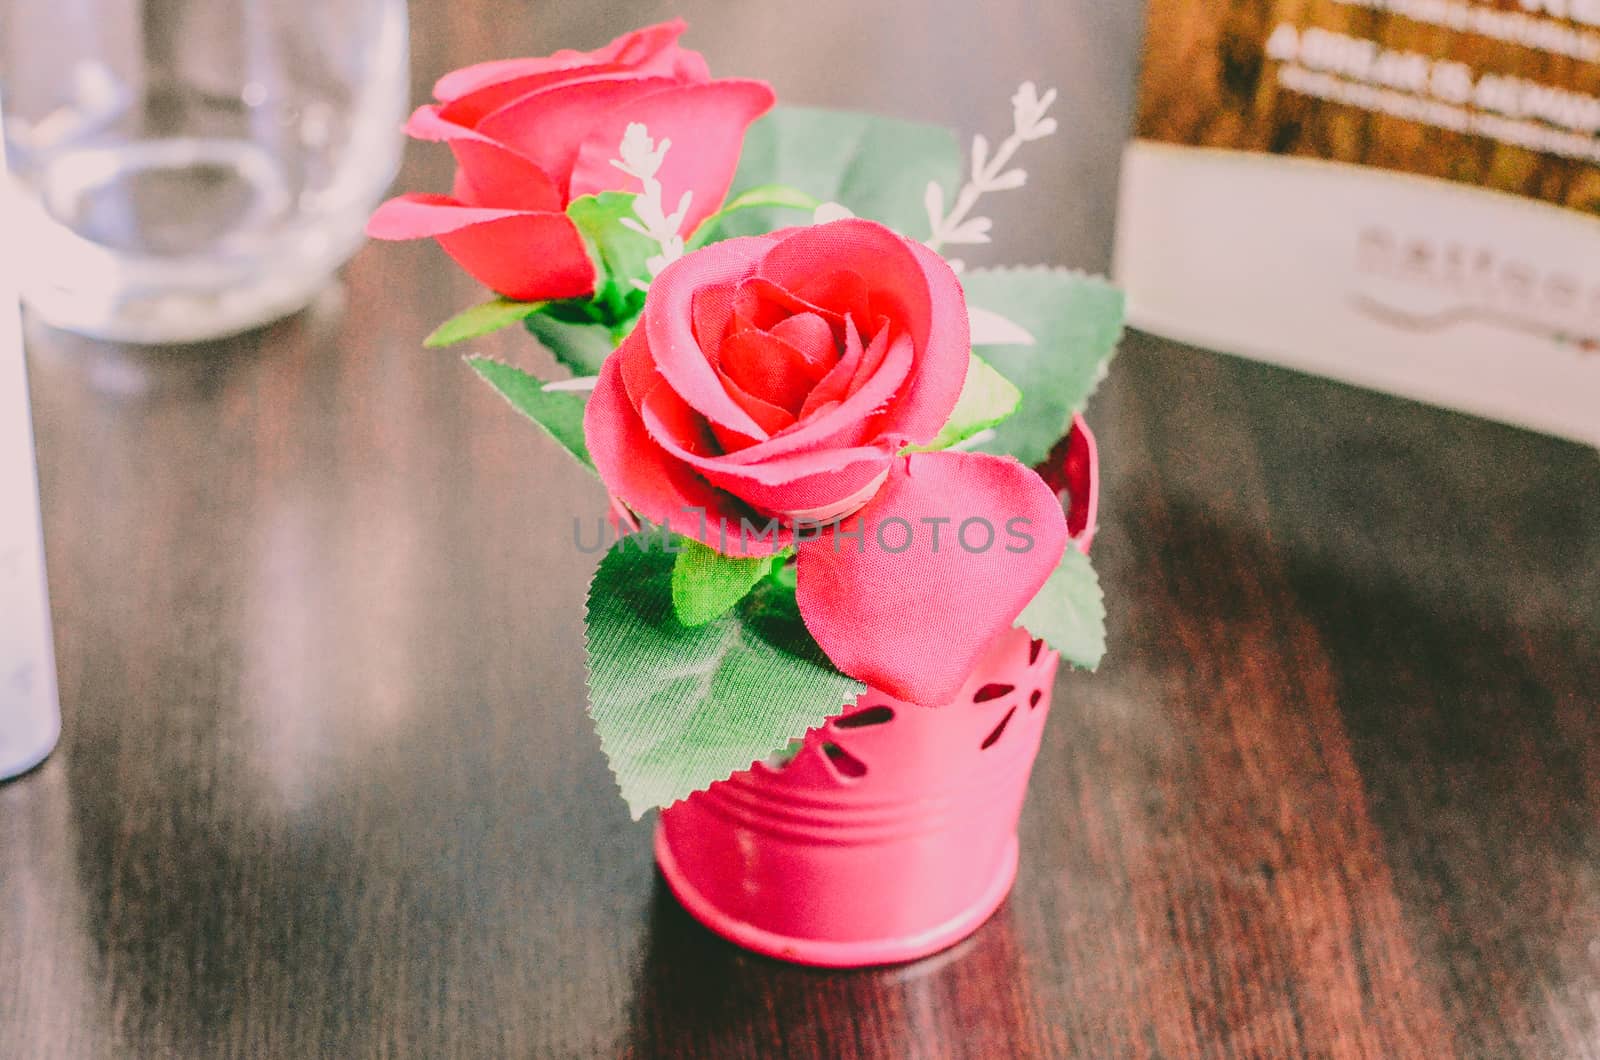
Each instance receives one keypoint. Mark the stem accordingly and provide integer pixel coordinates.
(973, 190)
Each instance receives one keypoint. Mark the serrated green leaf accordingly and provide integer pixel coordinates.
(1076, 322)
(878, 167)
(706, 584)
(987, 398)
(778, 196)
(1069, 614)
(622, 252)
(581, 347)
(481, 320)
(559, 412)
(678, 707)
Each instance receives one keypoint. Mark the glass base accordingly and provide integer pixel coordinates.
(176, 240)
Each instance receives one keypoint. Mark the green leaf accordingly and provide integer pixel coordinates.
(769, 195)
(987, 398)
(1076, 322)
(481, 320)
(1069, 614)
(621, 251)
(559, 412)
(706, 584)
(679, 708)
(787, 575)
(878, 167)
(580, 346)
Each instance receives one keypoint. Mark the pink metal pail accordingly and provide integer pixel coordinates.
(890, 835)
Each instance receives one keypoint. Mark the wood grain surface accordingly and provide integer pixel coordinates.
(327, 787)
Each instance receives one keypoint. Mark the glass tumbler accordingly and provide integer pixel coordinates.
(188, 169)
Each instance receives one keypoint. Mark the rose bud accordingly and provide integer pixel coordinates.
(531, 135)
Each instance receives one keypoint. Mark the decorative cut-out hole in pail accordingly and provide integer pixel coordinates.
(844, 763)
(861, 719)
(989, 741)
(992, 691)
(1033, 651)
(1033, 700)
(778, 761)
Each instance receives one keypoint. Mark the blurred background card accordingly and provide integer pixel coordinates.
(1403, 194)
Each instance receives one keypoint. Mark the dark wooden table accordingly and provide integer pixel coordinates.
(327, 787)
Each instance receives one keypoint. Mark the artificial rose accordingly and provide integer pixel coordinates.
(530, 135)
(780, 378)
(1073, 470)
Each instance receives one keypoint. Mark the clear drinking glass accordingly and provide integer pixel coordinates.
(187, 169)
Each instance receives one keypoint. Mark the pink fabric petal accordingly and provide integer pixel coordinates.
(772, 418)
(915, 623)
(833, 296)
(491, 174)
(640, 376)
(842, 292)
(768, 367)
(794, 486)
(812, 336)
(711, 310)
(850, 423)
(639, 372)
(1072, 470)
(652, 50)
(825, 407)
(678, 428)
(646, 51)
(522, 255)
(871, 360)
(653, 484)
(823, 487)
(835, 386)
(532, 257)
(842, 506)
(472, 108)
(648, 48)
(761, 304)
(549, 125)
(946, 354)
(910, 283)
(421, 216)
(691, 66)
(668, 323)
(706, 124)
(621, 519)
(818, 475)
(427, 124)
(677, 438)
(479, 79)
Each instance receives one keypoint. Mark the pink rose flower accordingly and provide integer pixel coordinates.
(1073, 470)
(772, 383)
(530, 135)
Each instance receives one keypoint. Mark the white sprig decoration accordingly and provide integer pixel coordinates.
(640, 158)
(989, 172)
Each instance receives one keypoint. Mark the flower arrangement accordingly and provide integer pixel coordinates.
(836, 460)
